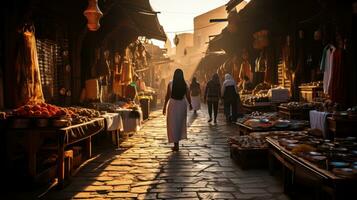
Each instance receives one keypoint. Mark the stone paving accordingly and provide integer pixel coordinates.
(146, 168)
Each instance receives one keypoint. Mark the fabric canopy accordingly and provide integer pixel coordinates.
(144, 17)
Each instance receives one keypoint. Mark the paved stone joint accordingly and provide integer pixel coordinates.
(146, 168)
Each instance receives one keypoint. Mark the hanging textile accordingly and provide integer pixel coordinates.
(270, 75)
(338, 83)
(126, 73)
(28, 80)
(235, 70)
(326, 66)
(246, 70)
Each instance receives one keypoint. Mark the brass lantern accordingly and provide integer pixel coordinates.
(93, 15)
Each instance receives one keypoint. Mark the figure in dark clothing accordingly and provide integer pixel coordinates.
(230, 98)
(212, 95)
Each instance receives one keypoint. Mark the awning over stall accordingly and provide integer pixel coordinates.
(144, 18)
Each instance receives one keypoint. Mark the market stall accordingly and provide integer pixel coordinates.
(297, 110)
(114, 125)
(328, 165)
(58, 139)
(129, 112)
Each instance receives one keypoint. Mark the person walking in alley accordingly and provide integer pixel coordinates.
(230, 98)
(212, 95)
(195, 90)
(175, 109)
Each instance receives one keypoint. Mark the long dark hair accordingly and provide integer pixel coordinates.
(179, 86)
(215, 78)
(194, 82)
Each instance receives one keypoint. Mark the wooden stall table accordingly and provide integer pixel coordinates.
(131, 119)
(113, 125)
(260, 106)
(322, 179)
(33, 139)
(343, 127)
(246, 129)
(286, 113)
(309, 93)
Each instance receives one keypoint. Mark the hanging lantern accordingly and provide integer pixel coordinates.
(93, 15)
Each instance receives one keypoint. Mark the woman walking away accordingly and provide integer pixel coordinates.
(230, 98)
(195, 89)
(212, 95)
(175, 108)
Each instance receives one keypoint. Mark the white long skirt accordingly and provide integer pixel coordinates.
(196, 102)
(176, 120)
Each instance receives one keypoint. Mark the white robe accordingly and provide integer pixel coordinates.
(176, 119)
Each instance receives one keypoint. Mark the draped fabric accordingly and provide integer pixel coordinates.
(337, 89)
(28, 86)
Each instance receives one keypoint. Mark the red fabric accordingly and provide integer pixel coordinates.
(337, 89)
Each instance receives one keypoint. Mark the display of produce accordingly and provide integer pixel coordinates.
(252, 100)
(256, 140)
(262, 87)
(59, 116)
(82, 115)
(316, 84)
(247, 141)
(301, 105)
(41, 110)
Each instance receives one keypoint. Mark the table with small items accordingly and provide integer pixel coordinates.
(263, 122)
(310, 91)
(132, 119)
(260, 106)
(32, 140)
(330, 167)
(296, 110)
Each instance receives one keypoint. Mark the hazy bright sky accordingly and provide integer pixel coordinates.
(177, 15)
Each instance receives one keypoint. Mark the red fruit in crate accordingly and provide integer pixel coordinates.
(36, 107)
(52, 113)
(27, 107)
(22, 113)
(62, 112)
(46, 114)
(31, 113)
(37, 113)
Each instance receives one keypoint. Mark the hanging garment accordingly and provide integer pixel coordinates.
(117, 87)
(246, 70)
(27, 72)
(338, 84)
(326, 65)
(236, 71)
(126, 73)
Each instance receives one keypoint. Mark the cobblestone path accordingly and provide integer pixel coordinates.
(146, 168)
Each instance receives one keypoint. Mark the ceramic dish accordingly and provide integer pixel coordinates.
(318, 158)
(347, 172)
(314, 153)
(339, 164)
(291, 141)
(341, 149)
(291, 146)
